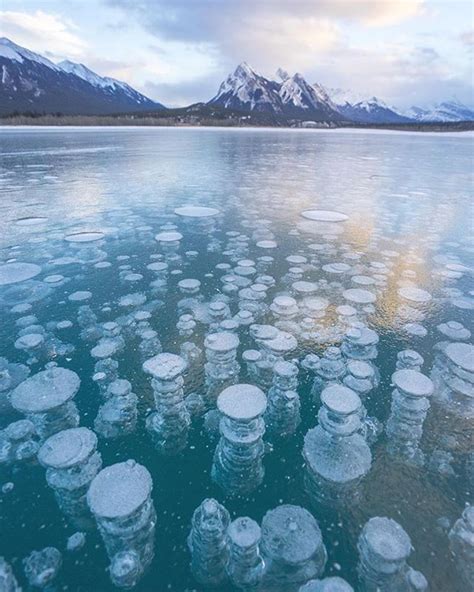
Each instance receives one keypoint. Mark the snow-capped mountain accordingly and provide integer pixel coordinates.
(361, 110)
(292, 97)
(31, 82)
(248, 91)
(452, 110)
(110, 84)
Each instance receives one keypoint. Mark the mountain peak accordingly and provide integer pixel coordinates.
(244, 69)
(282, 74)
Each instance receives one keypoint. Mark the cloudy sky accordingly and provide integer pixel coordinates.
(178, 51)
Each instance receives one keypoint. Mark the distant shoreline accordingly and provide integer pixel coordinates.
(143, 121)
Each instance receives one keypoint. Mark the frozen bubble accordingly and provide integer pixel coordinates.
(136, 299)
(454, 330)
(29, 341)
(84, 237)
(8, 582)
(463, 303)
(332, 584)
(336, 268)
(196, 211)
(362, 280)
(119, 490)
(242, 402)
(304, 288)
(414, 294)
(30, 221)
(168, 237)
(21, 308)
(125, 569)
(462, 355)
(53, 279)
(346, 310)
(67, 448)
(290, 534)
(359, 296)
(244, 532)
(165, 366)
(221, 342)
(105, 349)
(80, 296)
(13, 273)
(324, 215)
(64, 325)
(415, 329)
(133, 277)
(340, 400)
(41, 567)
(360, 369)
(75, 542)
(412, 382)
(45, 390)
(157, 266)
(267, 244)
(386, 540)
(189, 285)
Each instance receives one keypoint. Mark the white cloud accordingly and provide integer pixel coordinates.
(43, 32)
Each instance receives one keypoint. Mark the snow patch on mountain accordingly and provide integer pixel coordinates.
(12, 51)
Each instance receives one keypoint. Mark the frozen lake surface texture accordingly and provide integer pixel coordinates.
(236, 360)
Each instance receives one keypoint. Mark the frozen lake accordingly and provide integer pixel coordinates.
(231, 251)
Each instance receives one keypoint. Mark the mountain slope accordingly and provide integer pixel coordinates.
(361, 110)
(31, 82)
(301, 99)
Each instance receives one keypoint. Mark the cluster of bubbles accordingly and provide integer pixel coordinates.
(241, 355)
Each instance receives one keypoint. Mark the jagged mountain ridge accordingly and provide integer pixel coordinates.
(246, 90)
(294, 97)
(31, 82)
